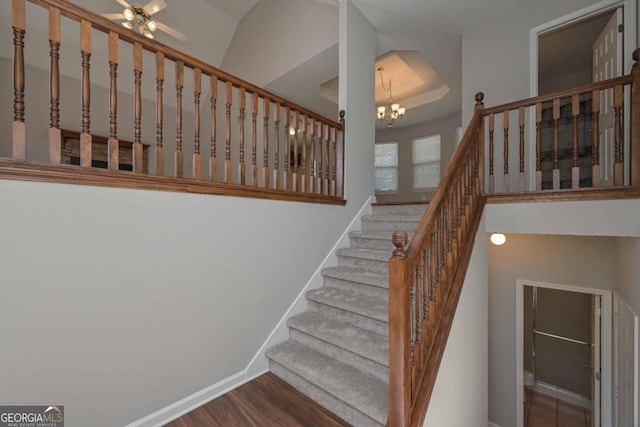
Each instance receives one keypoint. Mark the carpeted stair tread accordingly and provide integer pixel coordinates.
(392, 218)
(367, 306)
(363, 392)
(361, 253)
(410, 209)
(358, 275)
(367, 344)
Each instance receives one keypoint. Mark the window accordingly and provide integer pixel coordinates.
(426, 162)
(386, 167)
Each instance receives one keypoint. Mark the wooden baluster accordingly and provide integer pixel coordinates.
(491, 132)
(480, 141)
(538, 146)
(19, 132)
(505, 126)
(138, 160)
(266, 106)
(556, 144)
(327, 176)
(322, 183)
(55, 137)
(197, 90)
(254, 151)
(179, 157)
(312, 158)
(595, 150)
(213, 170)
(242, 168)
(159, 114)
(276, 172)
(618, 166)
(113, 146)
(228, 166)
(340, 157)
(319, 163)
(521, 125)
(634, 161)
(575, 169)
(287, 155)
(399, 334)
(85, 135)
(334, 166)
(304, 185)
(296, 164)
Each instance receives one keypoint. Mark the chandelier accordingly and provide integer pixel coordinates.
(391, 112)
(136, 17)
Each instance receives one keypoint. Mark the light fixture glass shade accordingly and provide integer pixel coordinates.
(148, 34)
(498, 239)
(395, 107)
(152, 25)
(128, 14)
(381, 109)
(292, 131)
(128, 25)
(401, 111)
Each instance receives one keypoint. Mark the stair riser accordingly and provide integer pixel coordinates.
(409, 227)
(400, 210)
(328, 401)
(359, 288)
(381, 267)
(359, 362)
(373, 244)
(355, 319)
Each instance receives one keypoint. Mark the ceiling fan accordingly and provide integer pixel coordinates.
(139, 18)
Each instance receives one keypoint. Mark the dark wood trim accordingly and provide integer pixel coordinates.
(605, 84)
(67, 174)
(447, 314)
(72, 134)
(601, 193)
(72, 11)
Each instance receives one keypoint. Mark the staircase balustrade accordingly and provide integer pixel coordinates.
(280, 173)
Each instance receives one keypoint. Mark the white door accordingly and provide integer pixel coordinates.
(625, 333)
(607, 64)
(596, 315)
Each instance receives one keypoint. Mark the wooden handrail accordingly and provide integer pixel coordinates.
(425, 280)
(244, 168)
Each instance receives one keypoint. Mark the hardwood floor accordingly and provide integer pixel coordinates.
(541, 410)
(264, 401)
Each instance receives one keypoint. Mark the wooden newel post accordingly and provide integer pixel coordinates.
(480, 108)
(635, 121)
(340, 158)
(399, 333)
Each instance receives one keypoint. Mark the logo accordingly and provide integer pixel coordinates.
(32, 416)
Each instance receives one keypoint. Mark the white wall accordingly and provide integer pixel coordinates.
(628, 286)
(445, 126)
(462, 377)
(277, 36)
(132, 300)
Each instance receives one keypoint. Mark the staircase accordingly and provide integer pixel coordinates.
(338, 350)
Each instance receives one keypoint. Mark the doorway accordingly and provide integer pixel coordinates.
(563, 336)
(562, 55)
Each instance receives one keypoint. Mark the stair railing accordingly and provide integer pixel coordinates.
(288, 152)
(425, 280)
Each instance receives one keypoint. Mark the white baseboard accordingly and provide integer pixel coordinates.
(562, 394)
(280, 333)
(493, 424)
(258, 364)
(189, 403)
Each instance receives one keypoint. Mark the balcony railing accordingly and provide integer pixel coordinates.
(258, 144)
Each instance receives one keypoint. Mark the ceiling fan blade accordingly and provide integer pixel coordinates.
(124, 4)
(113, 16)
(173, 33)
(154, 6)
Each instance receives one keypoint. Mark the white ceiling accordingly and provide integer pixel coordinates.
(234, 8)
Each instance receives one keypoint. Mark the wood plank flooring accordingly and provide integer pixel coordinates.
(265, 401)
(541, 410)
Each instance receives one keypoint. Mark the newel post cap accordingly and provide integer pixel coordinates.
(400, 239)
(479, 98)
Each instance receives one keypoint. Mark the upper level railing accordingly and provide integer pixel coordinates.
(293, 154)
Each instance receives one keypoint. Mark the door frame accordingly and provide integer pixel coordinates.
(618, 302)
(605, 341)
(630, 40)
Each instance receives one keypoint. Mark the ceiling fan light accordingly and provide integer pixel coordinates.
(152, 25)
(128, 25)
(128, 15)
(148, 34)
